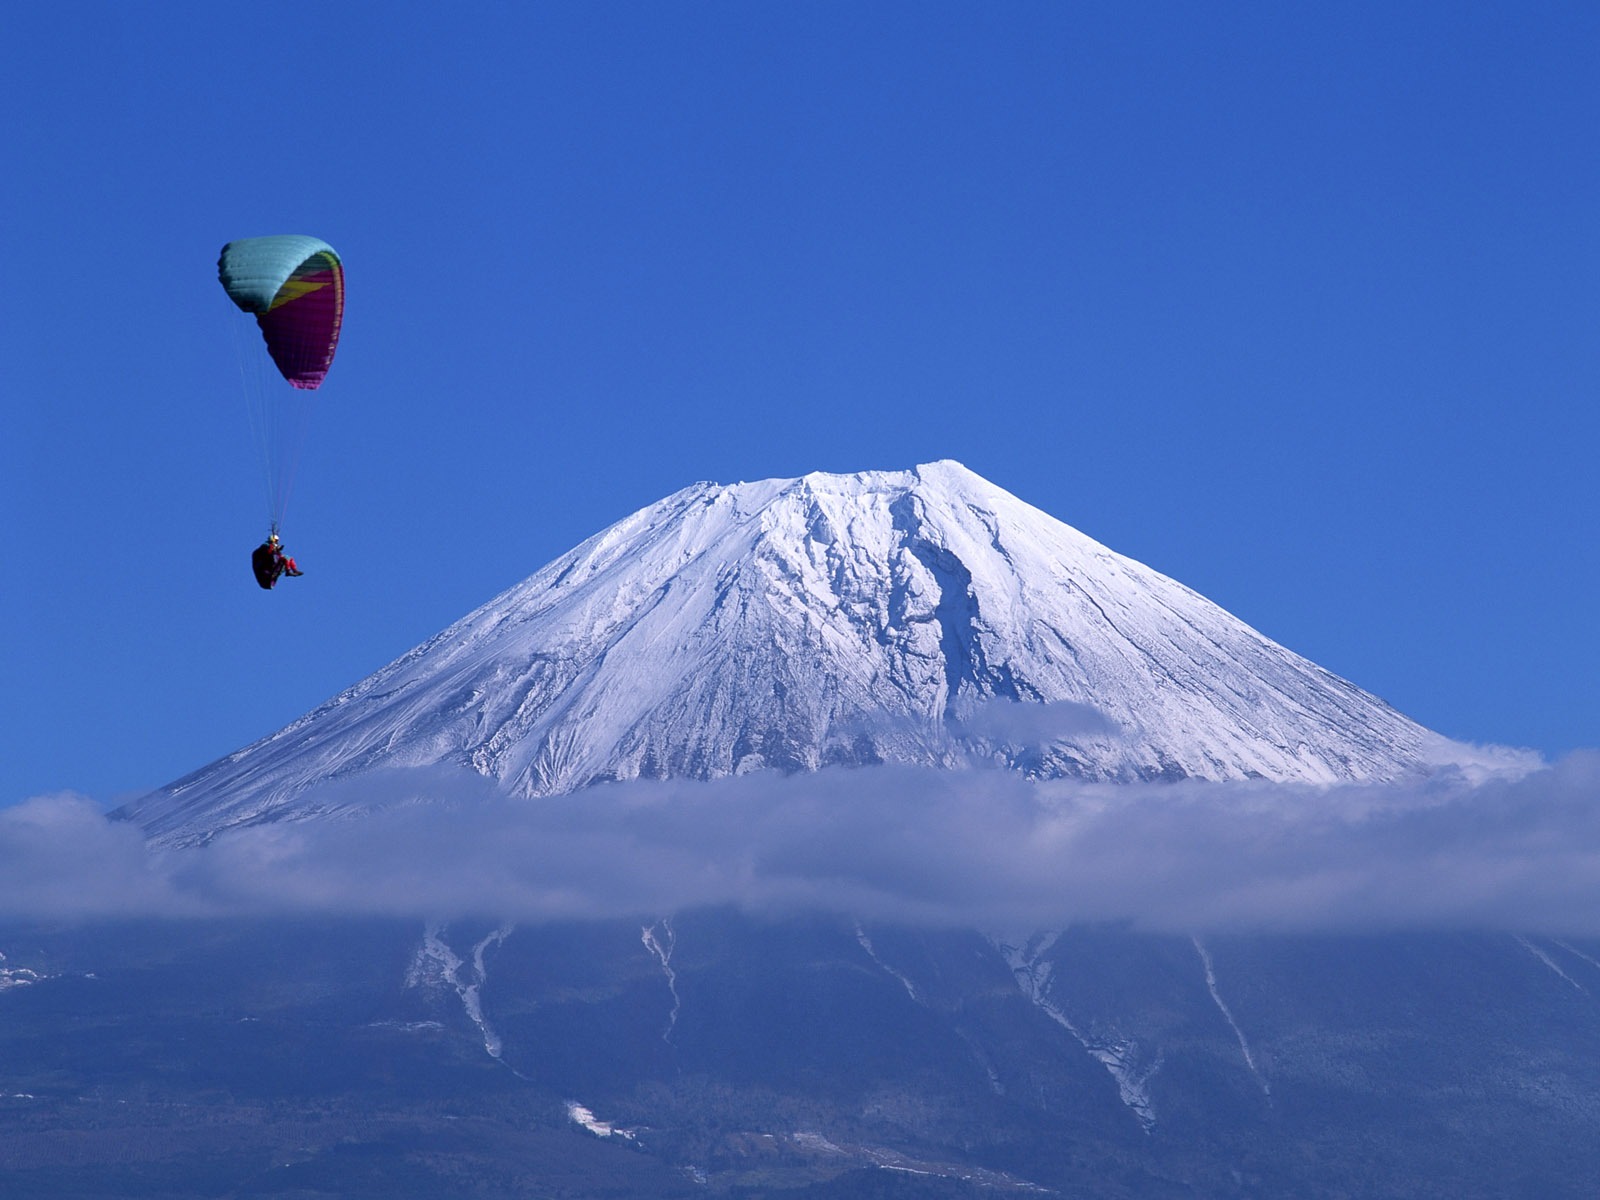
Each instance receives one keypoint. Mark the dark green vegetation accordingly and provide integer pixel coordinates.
(796, 1058)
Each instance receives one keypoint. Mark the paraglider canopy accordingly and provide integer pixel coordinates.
(294, 286)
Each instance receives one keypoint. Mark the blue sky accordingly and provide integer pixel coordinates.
(1299, 307)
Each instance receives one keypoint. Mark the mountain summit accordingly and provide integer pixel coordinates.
(918, 617)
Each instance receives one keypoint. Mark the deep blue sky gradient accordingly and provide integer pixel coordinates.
(1297, 304)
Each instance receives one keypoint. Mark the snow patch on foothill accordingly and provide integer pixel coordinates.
(582, 1116)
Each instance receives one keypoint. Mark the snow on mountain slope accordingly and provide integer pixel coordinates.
(923, 617)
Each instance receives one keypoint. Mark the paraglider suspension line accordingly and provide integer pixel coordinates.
(279, 418)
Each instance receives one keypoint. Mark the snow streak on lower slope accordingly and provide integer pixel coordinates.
(865, 943)
(922, 617)
(1227, 1013)
(437, 964)
(1119, 1055)
(661, 942)
(1549, 962)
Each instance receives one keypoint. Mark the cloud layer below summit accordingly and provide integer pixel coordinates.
(971, 848)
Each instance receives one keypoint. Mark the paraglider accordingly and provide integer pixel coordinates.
(294, 287)
(270, 562)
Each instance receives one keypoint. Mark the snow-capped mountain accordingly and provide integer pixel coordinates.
(924, 617)
(921, 617)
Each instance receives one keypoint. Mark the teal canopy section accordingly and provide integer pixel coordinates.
(252, 270)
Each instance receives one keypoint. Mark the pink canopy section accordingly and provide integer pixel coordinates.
(302, 328)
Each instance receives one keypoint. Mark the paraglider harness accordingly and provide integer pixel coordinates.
(270, 563)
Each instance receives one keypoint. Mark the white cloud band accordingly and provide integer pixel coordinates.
(983, 848)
